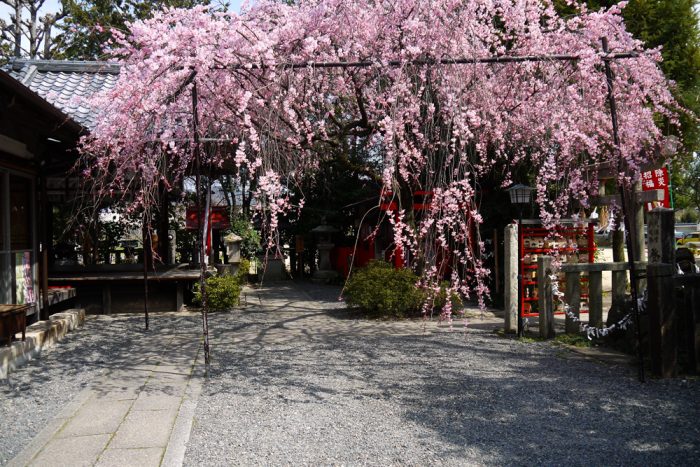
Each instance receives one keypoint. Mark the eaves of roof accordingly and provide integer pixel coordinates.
(66, 84)
(33, 98)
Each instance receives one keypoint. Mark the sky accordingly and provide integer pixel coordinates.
(53, 5)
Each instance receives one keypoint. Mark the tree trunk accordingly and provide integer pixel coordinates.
(17, 33)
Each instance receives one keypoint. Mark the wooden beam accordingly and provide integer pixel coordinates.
(642, 198)
(606, 171)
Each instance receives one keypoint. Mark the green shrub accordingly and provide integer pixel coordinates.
(243, 271)
(223, 292)
(380, 289)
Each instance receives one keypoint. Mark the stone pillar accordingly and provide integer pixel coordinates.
(510, 270)
(545, 299)
(660, 235)
(663, 346)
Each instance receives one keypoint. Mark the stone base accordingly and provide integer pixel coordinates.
(273, 271)
(230, 269)
(39, 336)
(324, 277)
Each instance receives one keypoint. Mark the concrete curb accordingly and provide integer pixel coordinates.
(177, 444)
(39, 336)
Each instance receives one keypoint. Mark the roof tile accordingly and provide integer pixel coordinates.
(64, 83)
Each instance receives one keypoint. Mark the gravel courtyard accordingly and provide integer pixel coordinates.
(298, 381)
(295, 379)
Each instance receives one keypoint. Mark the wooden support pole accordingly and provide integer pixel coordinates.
(595, 299)
(688, 315)
(496, 261)
(180, 297)
(421, 62)
(147, 254)
(663, 346)
(572, 297)
(510, 270)
(693, 309)
(202, 215)
(619, 289)
(163, 223)
(545, 299)
(107, 299)
(44, 219)
(610, 79)
(639, 244)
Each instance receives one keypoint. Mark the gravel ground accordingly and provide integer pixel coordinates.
(307, 386)
(299, 381)
(39, 390)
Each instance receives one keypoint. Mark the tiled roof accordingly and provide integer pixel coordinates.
(61, 83)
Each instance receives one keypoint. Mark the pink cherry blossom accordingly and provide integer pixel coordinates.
(440, 128)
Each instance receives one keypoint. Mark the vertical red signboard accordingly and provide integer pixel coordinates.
(657, 179)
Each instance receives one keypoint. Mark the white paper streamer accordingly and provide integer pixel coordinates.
(591, 331)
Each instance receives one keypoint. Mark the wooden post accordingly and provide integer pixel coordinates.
(496, 265)
(688, 316)
(572, 297)
(510, 269)
(107, 299)
(147, 262)
(546, 304)
(619, 289)
(693, 309)
(44, 252)
(663, 346)
(163, 223)
(595, 299)
(180, 297)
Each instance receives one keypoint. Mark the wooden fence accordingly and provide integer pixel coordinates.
(572, 292)
(673, 308)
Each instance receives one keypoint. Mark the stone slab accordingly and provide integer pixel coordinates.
(74, 452)
(96, 417)
(144, 429)
(157, 400)
(144, 457)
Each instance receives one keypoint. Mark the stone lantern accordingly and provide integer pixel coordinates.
(233, 252)
(325, 272)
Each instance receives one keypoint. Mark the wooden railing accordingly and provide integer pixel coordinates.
(572, 292)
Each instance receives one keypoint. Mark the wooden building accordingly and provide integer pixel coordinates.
(41, 121)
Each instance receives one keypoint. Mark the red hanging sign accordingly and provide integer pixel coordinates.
(657, 179)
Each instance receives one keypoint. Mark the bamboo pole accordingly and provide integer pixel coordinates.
(201, 224)
(626, 213)
(421, 62)
(146, 240)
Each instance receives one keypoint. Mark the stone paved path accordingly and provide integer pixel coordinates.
(137, 413)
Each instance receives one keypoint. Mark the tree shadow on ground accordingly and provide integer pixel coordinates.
(515, 403)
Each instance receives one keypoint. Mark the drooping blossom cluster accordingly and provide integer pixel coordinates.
(270, 105)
